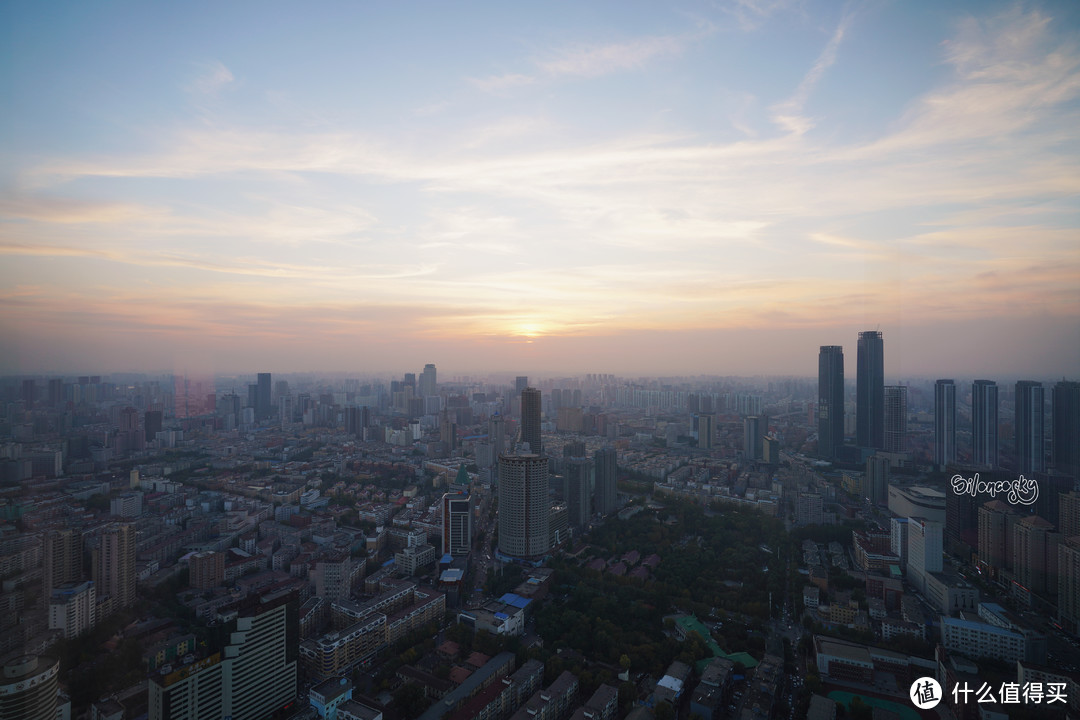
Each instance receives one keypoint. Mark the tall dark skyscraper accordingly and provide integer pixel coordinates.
(754, 428)
(520, 383)
(605, 500)
(530, 420)
(1066, 427)
(1029, 427)
(870, 391)
(984, 423)
(830, 400)
(428, 381)
(580, 474)
(263, 407)
(896, 419)
(944, 422)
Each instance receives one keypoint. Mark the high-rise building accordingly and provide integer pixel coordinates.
(113, 563)
(1029, 427)
(706, 432)
(984, 424)
(830, 406)
(1069, 584)
(877, 479)
(520, 383)
(497, 434)
(333, 576)
(206, 570)
(898, 539)
(73, 608)
(895, 419)
(1065, 424)
(448, 432)
(456, 524)
(530, 420)
(944, 422)
(152, 424)
(1035, 555)
(996, 520)
(263, 407)
(605, 500)
(925, 550)
(428, 382)
(753, 433)
(62, 559)
(523, 506)
(250, 677)
(870, 391)
(580, 474)
(1069, 514)
(29, 688)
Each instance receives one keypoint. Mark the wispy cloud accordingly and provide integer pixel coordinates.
(592, 60)
(751, 14)
(213, 77)
(789, 114)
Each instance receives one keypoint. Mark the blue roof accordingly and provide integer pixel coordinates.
(389, 562)
(447, 558)
(514, 600)
(502, 616)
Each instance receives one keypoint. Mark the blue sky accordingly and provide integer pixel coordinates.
(611, 187)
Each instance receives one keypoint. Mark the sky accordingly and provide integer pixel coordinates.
(631, 187)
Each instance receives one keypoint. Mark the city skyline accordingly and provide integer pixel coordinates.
(663, 190)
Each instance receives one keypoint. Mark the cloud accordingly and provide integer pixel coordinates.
(789, 114)
(592, 60)
(751, 14)
(502, 83)
(597, 60)
(629, 231)
(212, 78)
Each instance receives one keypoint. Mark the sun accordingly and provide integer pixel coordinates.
(529, 330)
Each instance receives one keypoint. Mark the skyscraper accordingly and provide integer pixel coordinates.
(944, 422)
(524, 508)
(1066, 427)
(877, 480)
(984, 423)
(896, 419)
(830, 400)
(530, 420)
(996, 520)
(606, 497)
(427, 381)
(497, 434)
(263, 406)
(520, 383)
(870, 391)
(925, 550)
(113, 561)
(706, 432)
(580, 478)
(62, 559)
(1029, 427)
(753, 433)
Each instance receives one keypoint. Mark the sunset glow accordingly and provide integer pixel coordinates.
(583, 187)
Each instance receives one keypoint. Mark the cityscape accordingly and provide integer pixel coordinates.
(708, 360)
(301, 547)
